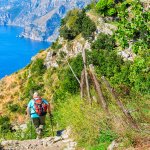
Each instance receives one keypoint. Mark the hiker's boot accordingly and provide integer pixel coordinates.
(38, 133)
(41, 130)
(41, 127)
(38, 137)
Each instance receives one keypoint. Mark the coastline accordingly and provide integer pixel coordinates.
(16, 52)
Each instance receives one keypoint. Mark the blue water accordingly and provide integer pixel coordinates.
(16, 53)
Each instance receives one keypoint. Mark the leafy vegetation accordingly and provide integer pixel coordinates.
(88, 27)
(103, 42)
(56, 45)
(13, 107)
(133, 26)
(4, 124)
(69, 83)
(38, 67)
(77, 22)
(107, 7)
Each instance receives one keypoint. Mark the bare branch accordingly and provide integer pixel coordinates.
(73, 72)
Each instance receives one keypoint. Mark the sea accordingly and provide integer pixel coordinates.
(16, 52)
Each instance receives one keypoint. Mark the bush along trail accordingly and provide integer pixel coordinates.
(95, 77)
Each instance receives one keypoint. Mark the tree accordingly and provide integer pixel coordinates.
(88, 27)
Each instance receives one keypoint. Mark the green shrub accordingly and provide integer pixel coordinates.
(38, 67)
(67, 33)
(106, 7)
(133, 75)
(4, 119)
(71, 25)
(35, 81)
(88, 27)
(13, 107)
(56, 45)
(59, 96)
(104, 140)
(111, 11)
(104, 42)
(136, 30)
(76, 22)
(106, 136)
(106, 62)
(139, 74)
(69, 82)
(4, 124)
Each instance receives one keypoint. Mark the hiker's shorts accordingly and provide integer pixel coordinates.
(38, 121)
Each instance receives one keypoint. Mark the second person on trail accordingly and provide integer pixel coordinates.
(37, 109)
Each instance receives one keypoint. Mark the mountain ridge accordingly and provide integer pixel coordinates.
(40, 19)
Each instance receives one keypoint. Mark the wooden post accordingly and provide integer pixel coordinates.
(82, 83)
(120, 104)
(86, 75)
(101, 99)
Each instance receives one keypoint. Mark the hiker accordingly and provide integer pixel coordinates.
(36, 110)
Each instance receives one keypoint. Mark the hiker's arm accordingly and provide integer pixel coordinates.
(28, 111)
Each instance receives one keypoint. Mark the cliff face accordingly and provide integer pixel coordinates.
(40, 19)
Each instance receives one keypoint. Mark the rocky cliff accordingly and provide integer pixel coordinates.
(40, 19)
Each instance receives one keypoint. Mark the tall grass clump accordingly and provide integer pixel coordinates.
(88, 123)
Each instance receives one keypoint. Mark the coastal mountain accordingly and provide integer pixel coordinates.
(40, 19)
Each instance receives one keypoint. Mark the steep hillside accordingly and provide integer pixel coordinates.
(108, 42)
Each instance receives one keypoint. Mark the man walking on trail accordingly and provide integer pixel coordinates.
(37, 109)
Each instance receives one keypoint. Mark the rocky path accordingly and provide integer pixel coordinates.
(50, 143)
(43, 144)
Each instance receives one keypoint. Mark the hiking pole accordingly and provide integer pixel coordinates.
(51, 120)
(31, 128)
